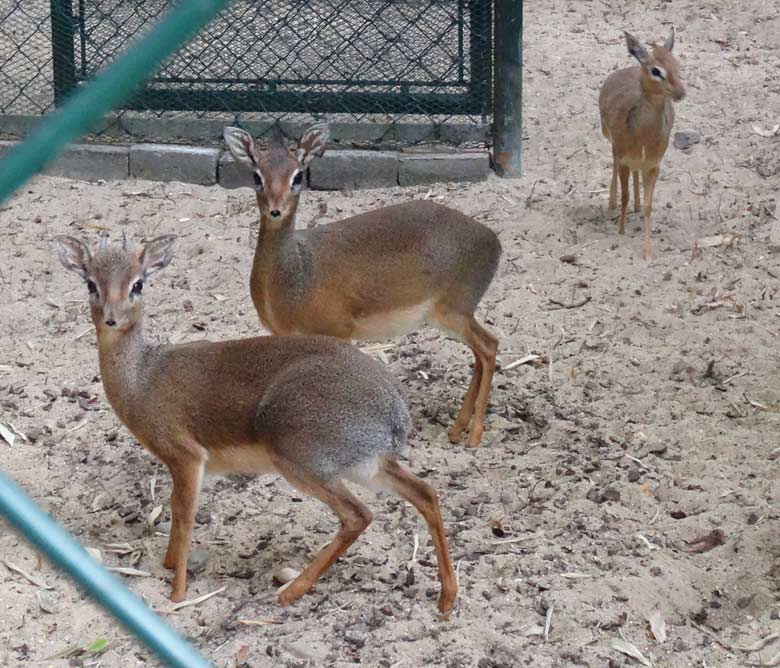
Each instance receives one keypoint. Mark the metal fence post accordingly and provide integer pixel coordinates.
(508, 87)
(63, 61)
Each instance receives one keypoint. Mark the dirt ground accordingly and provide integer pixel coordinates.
(649, 420)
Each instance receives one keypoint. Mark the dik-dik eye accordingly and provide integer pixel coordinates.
(297, 182)
(137, 287)
(258, 182)
(91, 287)
(657, 73)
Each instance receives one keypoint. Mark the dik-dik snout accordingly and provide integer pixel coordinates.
(279, 171)
(114, 279)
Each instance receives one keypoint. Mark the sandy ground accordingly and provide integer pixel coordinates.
(649, 420)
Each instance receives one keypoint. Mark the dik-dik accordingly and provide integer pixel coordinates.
(313, 409)
(637, 117)
(373, 276)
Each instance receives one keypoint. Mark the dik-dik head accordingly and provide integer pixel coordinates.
(114, 276)
(660, 69)
(279, 170)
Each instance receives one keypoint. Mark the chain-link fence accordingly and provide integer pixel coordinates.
(381, 71)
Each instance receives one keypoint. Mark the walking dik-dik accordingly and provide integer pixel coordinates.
(376, 275)
(637, 117)
(313, 409)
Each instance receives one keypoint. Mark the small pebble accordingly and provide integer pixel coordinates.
(196, 561)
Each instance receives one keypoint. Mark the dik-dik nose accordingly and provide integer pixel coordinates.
(275, 213)
(111, 322)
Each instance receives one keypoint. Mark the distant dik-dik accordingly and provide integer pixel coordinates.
(376, 275)
(637, 117)
(311, 408)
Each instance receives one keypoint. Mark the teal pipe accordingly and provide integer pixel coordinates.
(81, 113)
(84, 110)
(62, 550)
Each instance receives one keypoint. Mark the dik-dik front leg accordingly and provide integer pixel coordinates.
(187, 476)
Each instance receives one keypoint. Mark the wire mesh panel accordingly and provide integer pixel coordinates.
(399, 65)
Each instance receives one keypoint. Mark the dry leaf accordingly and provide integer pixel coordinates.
(657, 625)
(767, 132)
(260, 622)
(96, 554)
(195, 601)
(523, 360)
(285, 574)
(125, 570)
(46, 601)
(30, 578)
(156, 512)
(718, 240)
(8, 436)
(242, 655)
(706, 543)
(622, 645)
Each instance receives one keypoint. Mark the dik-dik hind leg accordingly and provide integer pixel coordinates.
(467, 407)
(488, 347)
(635, 179)
(624, 174)
(484, 345)
(613, 184)
(187, 476)
(394, 477)
(649, 177)
(352, 514)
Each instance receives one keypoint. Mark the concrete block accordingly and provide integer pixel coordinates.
(233, 174)
(91, 162)
(164, 162)
(338, 170)
(440, 167)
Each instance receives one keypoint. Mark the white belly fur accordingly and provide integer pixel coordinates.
(392, 323)
(248, 459)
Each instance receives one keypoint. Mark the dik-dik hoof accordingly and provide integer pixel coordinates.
(455, 434)
(446, 601)
(289, 596)
(474, 438)
(177, 596)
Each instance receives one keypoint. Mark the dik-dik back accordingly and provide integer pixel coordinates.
(373, 276)
(637, 115)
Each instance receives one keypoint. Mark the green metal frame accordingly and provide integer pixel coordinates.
(470, 95)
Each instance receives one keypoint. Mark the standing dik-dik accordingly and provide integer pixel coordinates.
(376, 275)
(637, 117)
(314, 409)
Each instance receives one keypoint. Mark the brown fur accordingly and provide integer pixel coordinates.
(637, 117)
(314, 409)
(375, 275)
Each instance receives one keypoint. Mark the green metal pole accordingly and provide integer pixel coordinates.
(63, 63)
(508, 87)
(62, 550)
(87, 107)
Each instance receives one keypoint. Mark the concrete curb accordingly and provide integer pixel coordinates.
(338, 169)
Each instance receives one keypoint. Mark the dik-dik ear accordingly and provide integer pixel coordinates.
(635, 47)
(669, 43)
(74, 255)
(156, 255)
(241, 146)
(312, 144)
